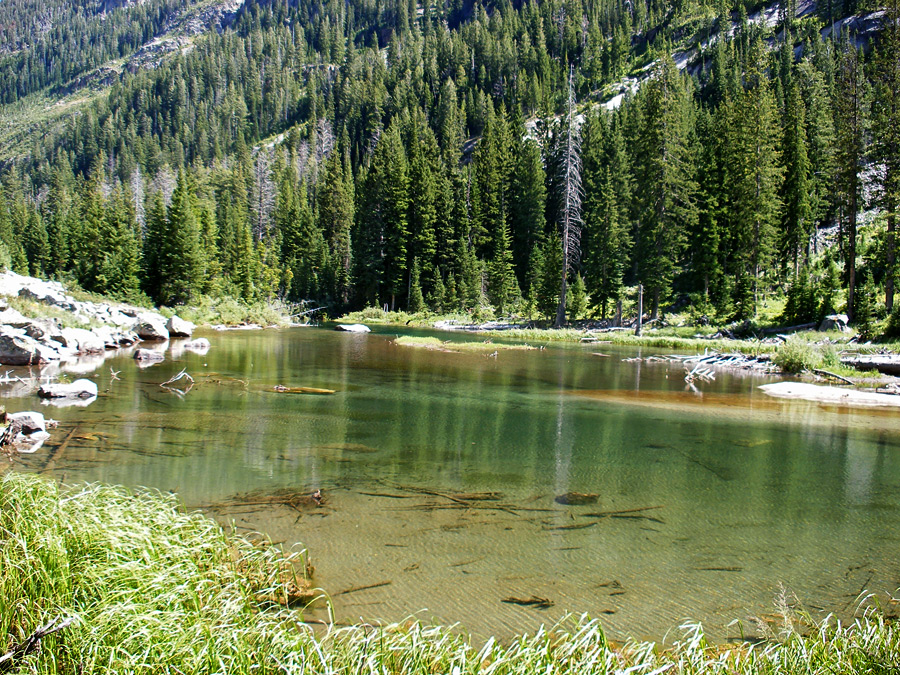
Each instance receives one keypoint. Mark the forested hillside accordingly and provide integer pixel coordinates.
(459, 155)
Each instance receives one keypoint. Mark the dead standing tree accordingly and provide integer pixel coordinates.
(570, 213)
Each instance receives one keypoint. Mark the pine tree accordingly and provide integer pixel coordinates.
(36, 244)
(666, 181)
(577, 299)
(335, 219)
(416, 302)
(753, 174)
(605, 238)
(502, 287)
(797, 218)
(851, 103)
(528, 197)
(181, 254)
(886, 135)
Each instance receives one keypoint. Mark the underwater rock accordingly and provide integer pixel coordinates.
(577, 498)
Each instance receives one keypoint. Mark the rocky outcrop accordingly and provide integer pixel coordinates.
(178, 327)
(18, 349)
(77, 389)
(151, 327)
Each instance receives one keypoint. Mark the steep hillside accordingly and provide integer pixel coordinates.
(368, 152)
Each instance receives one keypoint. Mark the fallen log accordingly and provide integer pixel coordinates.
(889, 364)
(828, 373)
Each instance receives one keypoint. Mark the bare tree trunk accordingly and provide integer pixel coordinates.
(571, 211)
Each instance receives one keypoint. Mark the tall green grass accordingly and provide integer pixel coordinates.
(160, 591)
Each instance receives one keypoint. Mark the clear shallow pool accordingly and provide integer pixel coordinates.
(751, 493)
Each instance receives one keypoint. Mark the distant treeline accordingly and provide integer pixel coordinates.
(392, 153)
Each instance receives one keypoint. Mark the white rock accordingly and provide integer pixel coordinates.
(151, 327)
(83, 341)
(178, 327)
(77, 389)
(352, 328)
(31, 421)
(12, 317)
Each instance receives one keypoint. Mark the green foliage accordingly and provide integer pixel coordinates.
(795, 356)
(802, 304)
(577, 299)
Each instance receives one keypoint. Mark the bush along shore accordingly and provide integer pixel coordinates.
(127, 582)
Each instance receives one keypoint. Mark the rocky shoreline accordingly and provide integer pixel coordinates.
(48, 342)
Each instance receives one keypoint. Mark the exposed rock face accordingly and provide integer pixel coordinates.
(151, 327)
(17, 349)
(352, 328)
(178, 327)
(77, 389)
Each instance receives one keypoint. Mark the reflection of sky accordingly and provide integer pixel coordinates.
(752, 491)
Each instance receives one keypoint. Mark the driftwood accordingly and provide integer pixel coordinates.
(281, 389)
(889, 364)
(533, 601)
(354, 589)
(828, 373)
(57, 452)
(32, 643)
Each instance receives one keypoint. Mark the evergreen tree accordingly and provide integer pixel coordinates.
(335, 218)
(753, 175)
(416, 302)
(666, 181)
(851, 103)
(886, 135)
(181, 253)
(36, 243)
(797, 218)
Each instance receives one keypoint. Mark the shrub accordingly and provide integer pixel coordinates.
(795, 356)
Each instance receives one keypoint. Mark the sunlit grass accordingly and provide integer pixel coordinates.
(157, 590)
(469, 346)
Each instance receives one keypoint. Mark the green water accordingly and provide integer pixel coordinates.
(753, 494)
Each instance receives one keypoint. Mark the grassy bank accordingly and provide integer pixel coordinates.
(156, 590)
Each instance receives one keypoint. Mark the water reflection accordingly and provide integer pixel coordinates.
(751, 492)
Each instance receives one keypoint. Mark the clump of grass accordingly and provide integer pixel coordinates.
(447, 346)
(795, 356)
(160, 591)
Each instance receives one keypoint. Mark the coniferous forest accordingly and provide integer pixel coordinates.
(457, 155)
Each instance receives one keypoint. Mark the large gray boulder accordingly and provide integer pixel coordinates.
(178, 327)
(835, 322)
(17, 349)
(352, 328)
(77, 389)
(81, 340)
(151, 327)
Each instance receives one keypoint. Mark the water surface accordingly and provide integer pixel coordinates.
(751, 494)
